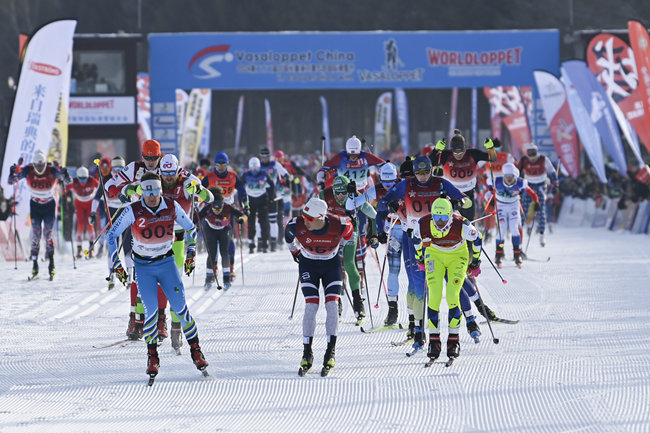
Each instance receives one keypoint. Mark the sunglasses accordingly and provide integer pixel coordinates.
(388, 185)
(169, 173)
(531, 153)
(309, 219)
(151, 192)
(443, 218)
(422, 172)
(151, 158)
(116, 168)
(221, 164)
(82, 179)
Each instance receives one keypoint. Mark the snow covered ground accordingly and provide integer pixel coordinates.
(577, 362)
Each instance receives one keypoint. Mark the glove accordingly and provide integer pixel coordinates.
(92, 218)
(321, 186)
(489, 144)
(440, 145)
(438, 171)
(240, 220)
(12, 169)
(296, 256)
(373, 241)
(246, 210)
(352, 187)
(191, 188)
(536, 206)
(554, 188)
(123, 198)
(393, 206)
(382, 237)
(466, 202)
(121, 274)
(474, 268)
(189, 261)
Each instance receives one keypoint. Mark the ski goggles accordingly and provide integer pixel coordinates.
(150, 158)
(309, 218)
(388, 185)
(83, 179)
(443, 218)
(532, 153)
(151, 187)
(116, 169)
(169, 172)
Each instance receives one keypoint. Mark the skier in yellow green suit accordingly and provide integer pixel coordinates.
(442, 248)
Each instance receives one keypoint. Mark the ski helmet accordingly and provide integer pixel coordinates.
(531, 150)
(118, 161)
(278, 155)
(406, 168)
(221, 158)
(39, 160)
(254, 164)
(82, 173)
(353, 146)
(441, 218)
(421, 164)
(169, 163)
(314, 209)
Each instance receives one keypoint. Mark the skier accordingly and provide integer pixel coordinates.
(260, 190)
(152, 221)
(84, 189)
(417, 195)
(280, 176)
(460, 165)
(42, 179)
(314, 240)
(99, 203)
(336, 198)
(441, 240)
(507, 190)
(217, 230)
(536, 168)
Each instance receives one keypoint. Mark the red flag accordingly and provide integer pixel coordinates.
(640, 42)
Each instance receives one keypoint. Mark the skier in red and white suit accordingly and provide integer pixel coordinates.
(84, 189)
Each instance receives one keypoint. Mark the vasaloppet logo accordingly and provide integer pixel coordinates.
(203, 64)
(391, 70)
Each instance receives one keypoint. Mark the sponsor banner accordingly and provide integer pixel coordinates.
(204, 148)
(383, 116)
(38, 95)
(402, 112)
(560, 121)
(613, 63)
(452, 112)
(269, 125)
(240, 119)
(595, 101)
(640, 41)
(193, 126)
(144, 107)
(509, 104)
(326, 125)
(181, 105)
(474, 142)
(102, 110)
(586, 129)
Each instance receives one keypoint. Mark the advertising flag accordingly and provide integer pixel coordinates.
(204, 147)
(559, 119)
(383, 116)
(181, 105)
(45, 70)
(193, 123)
(640, 46)
(144, 107)
(269, 125)
(240, 119)
(508, 103)
(402, 112)
(595, 101)
(326, 125)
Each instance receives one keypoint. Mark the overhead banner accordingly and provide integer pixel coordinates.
(595, 101)
(402, 112)
(613, 63)
(639, 40)
(102, 110)
(42, 79)
(560, 122)
(586, 129)
(383, 116)
(326, 125)
(342, 60)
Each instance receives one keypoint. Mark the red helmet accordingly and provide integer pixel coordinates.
(427, 150)
(278, 154)
(151, 148)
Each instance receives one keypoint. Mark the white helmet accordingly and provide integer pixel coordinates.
(39, 159)
(315, 208)
(254, 164)
(353, 146)
(509, 169)
(82, 172)
(169, 162)
(388, 173)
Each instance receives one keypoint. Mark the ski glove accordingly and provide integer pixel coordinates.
(536, 206)
(489, 144)
(466, 202)
(189, 261)
(91, 218)
(121, 274)
(440, 145)
(12, 169)
(296, 256)
(474, 269)
(351, 187)
(373, 241)
(382, 237)
(191, 188)
(393, 206)
(246, 209)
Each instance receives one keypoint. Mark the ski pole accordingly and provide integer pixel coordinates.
(487, 317)
(365, 278)
(383, 266)
(484, 216)
(103, 230)
(494, 187)
(530, 234)
(210, 257)
(495, 268)
(101, 182)
(63, 200)
(240, 227)
(13, 211)
(295, 295)
(322, 150)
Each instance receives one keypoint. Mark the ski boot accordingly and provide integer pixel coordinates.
(357, 305)
(418, 338)
(307, 358)
(411, 331)
(518, 258)
(391, 319)
(542, 239)
(34, 270)
(263, 247)
(434, 346)
(484, 310)
(251, 247)
(226, 281)
(130, 329)
(51, 269)
(80, 252)
(498, 257)
(138, 330)
(453, 346)
(274, 244)
(329, 360)
(90, 250)
(176, 334)
(153, 361)
(209, 281)
(197, 356)
(162, 326)
(472, 328)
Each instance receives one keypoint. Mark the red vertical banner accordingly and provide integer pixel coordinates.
(508, 103)
(640, 42)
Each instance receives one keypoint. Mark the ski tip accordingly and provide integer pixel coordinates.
(205, 373)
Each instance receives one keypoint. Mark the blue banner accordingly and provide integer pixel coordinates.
(595, 100)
